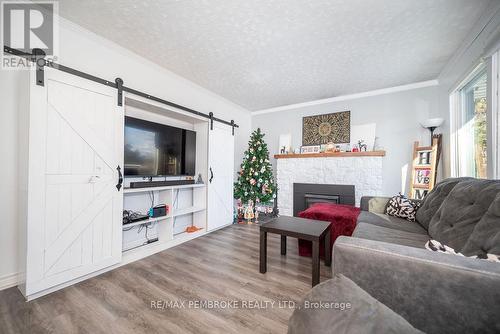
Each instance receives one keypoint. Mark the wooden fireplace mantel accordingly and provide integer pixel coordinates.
(330, 155)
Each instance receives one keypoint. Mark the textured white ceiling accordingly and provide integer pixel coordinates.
(267, 53)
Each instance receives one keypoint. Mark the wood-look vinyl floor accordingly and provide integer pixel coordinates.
(221, 266)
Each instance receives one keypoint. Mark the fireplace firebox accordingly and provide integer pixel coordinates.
(314, 198)
(307, 194)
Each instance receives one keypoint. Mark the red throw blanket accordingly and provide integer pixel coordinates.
(342, 220)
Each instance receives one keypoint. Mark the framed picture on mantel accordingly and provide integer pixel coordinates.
(310, 149)
(328, 128)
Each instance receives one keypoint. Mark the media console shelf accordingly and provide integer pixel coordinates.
(187, 207)
(141, 190)
(182, 212)
(144, 222)
(186, 211)
(184, 236)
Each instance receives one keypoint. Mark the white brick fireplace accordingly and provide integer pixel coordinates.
(363, 170)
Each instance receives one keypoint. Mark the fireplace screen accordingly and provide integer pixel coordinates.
(311, 199)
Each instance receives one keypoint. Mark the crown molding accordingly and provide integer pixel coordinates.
(376, 92)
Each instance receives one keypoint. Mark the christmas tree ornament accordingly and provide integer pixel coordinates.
(249, 214)
(256, 216)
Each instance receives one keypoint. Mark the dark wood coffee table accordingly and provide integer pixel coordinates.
(307, 229)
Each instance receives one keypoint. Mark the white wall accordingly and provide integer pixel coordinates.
(397, 116)
(9, 85)
(90, 53)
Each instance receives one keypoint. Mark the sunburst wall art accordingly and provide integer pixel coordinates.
(328, 128)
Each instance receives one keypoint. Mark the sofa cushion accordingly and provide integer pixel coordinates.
(390, 235)
(365, 314)
(461, 210)
(485, 238)
(433, 200)
(390, 222)
(378, 204)
(402, 207)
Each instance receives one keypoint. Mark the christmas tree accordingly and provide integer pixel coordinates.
(255, 180)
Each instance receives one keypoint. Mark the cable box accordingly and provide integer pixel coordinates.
(129, 218)
(149, 184)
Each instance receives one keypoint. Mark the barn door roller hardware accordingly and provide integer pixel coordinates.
(119, 86)
(38, 57)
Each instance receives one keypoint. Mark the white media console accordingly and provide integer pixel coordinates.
(70, 205)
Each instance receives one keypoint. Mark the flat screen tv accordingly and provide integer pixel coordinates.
(153, 149)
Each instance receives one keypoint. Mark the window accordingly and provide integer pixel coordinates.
(494, 119)
(469, 128)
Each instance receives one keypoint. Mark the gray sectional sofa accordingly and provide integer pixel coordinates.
(434, 292)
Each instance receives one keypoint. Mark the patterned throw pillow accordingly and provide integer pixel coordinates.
(402, 207)
(436, 246)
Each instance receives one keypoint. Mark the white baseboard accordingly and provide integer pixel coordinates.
(9, 280)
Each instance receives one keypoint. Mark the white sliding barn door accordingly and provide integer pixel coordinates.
(74, 206)
(221, 174)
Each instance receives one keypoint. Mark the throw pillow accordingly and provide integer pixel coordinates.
(402, 207)
(436, 246)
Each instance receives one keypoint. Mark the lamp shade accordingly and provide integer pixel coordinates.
(432, 122)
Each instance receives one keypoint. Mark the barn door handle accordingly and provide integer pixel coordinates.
(120, 178)
(211, 175)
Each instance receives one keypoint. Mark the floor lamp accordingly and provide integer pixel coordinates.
(432, 124)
